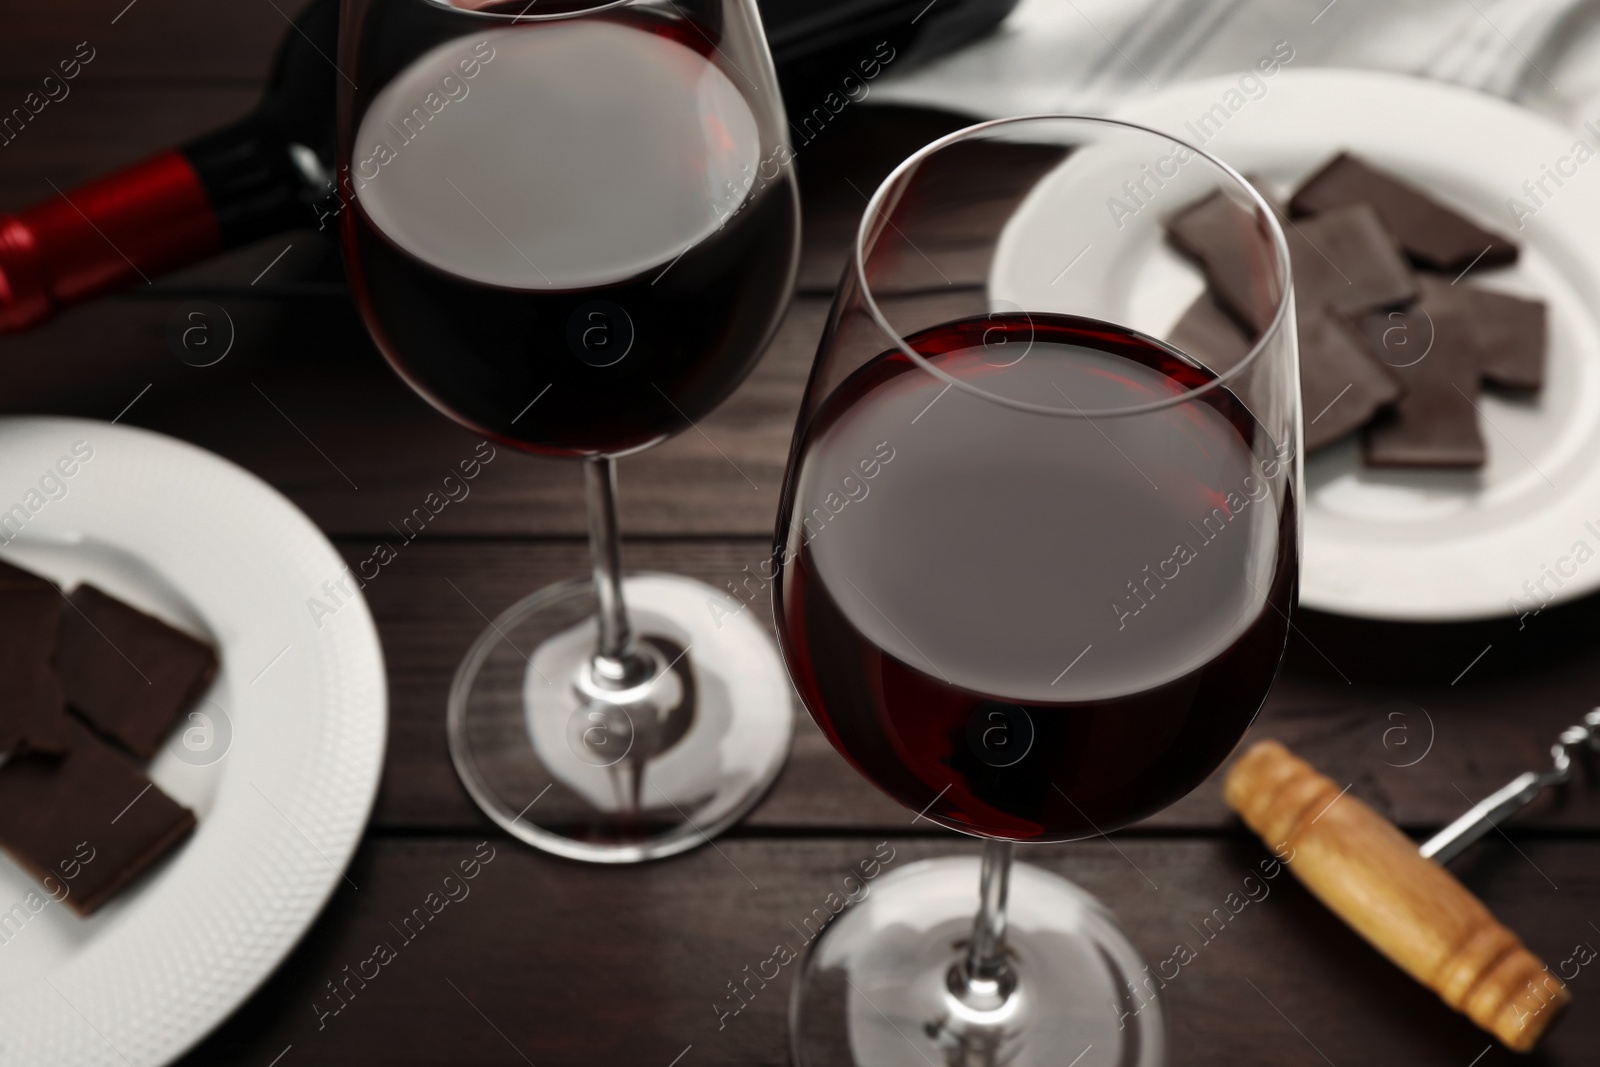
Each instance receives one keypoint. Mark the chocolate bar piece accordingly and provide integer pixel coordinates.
(1434, 348)
(33, 711)
(87, 823)
(1225, 238)
(1342, 259)
(1345, 261)
(1210, 335)
(11, 576)
(1511, 337)
(1341, 386)
(129, 674)
(1431, 234)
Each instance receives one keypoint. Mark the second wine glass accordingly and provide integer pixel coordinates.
(573, 229)
(1037, 568)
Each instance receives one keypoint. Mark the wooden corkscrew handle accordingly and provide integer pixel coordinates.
(1407, 907)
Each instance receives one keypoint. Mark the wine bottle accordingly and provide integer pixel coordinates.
(258, 176)
(273, 169)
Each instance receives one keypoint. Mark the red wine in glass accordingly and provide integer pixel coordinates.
(626, 295)
(1033, 573)
(1105, 656)
(572, 227)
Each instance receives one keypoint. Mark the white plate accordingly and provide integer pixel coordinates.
(1420, 545)
(284, 787)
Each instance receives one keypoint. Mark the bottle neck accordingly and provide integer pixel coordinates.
(223, 190)
(252, 181)
(256, 177)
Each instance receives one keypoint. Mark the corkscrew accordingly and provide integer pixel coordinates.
(1516, 794)
(1405, 905)
(1412, 910)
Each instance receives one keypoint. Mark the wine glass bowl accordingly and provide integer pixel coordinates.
(1036, 560)
(581, 221)
(572, 228)
(1054, 628)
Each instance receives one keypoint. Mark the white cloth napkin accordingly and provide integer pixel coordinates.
(1093, 55)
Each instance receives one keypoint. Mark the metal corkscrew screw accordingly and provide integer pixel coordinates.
(1516, 794)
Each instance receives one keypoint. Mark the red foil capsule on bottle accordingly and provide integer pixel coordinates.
(116, 231)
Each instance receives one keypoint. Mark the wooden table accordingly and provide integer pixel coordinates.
(551, 962)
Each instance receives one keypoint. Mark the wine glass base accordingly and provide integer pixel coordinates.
(874, 990)
(631, 776)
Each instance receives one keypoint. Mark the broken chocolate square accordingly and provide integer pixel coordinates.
(1210, 335)
(1511, 337)
(1434, 348)
(1341, 386)
(1345, 261)
(1361, 307)
(130, 674)
(33, 711)
(1431, 234)
(11, 576)
(88, 822)
(1226, 239)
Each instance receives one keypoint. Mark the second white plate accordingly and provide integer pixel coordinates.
(1423, 545)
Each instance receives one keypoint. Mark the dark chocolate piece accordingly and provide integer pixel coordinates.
(129, 674)
(1225, 238)
(1342, 261)
(1433, 347)
(33, 711)
(1210, 335)
(87, 823)
(1341, 386)
(11, 575)
(1431, 234)
(1511, 337)
(1345, 261)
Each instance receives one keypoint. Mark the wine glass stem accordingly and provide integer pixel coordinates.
(617, 663)
(986, 974)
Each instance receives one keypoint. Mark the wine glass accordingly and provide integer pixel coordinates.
(1036, 566)
(572, 228)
